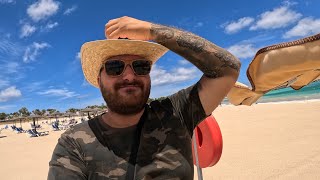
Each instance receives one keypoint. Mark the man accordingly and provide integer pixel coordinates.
(135, 140)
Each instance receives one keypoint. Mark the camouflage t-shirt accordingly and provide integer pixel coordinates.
(162, 151)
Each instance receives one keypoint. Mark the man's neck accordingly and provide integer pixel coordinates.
(116, 120)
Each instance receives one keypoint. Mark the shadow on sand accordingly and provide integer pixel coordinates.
(2, 136)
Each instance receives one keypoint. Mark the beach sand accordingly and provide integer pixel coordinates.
(263, 141)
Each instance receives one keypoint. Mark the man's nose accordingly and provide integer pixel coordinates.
(128, 73)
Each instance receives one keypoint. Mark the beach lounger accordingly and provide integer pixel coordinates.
(13, 127)
(55, 127)
(19, 130)
(31, 133)
(40, 133)
(35, 133)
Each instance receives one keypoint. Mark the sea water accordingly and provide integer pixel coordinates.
(311, 91)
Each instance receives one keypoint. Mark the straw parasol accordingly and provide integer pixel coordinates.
(88, 110)
(34, 117)
(18, 118)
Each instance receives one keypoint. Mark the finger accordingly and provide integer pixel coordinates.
(116, 34)
(112, 22)
(110, 29)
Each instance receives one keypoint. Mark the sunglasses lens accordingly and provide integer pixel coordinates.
(141, 67)
(114, 67)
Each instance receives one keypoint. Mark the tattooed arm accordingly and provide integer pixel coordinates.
(220, 68)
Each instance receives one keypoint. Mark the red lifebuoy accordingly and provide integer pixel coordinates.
(209, 142)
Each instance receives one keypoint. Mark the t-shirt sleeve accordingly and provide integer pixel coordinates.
(188, 106)
(66, 161)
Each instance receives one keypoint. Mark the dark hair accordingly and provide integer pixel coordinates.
(102, 67)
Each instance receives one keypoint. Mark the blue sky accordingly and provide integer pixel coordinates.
(40, 42)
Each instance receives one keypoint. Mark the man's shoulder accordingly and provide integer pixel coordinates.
(84, 126)
(161, 104)
(80, 131)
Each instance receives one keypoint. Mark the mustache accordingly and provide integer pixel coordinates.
(121, 84)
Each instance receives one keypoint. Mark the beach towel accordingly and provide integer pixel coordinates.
(292, 64)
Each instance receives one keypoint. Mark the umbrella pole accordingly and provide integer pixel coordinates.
(196, 155)
(34, 123)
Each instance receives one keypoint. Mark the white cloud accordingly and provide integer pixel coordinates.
(277, 18)
(78, 56)
(161, 76)
(3, 82)
(33, 86)
(27, 30)
(70, 10)
(184, 62)
(7, 1)
(242, 50)
(9, 93)
(289, 3)
(6, 107)
(305, 27)
(63, 93)
(199, 24)
(33, 51)
(51, 25)
(9, 48)
(236, 26)
(9, 67)
(85, 83)
(42, 9)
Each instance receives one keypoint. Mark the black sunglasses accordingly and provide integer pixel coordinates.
(116, 67)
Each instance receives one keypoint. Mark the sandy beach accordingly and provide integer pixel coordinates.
(263, 141)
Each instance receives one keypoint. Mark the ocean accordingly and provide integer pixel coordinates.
(309, 92)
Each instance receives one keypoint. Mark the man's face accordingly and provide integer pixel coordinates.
(127, 93)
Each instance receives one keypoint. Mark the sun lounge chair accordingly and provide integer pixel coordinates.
(55, 127)
(31, 133)
(40, 133)
(19, 130)
(13, 127)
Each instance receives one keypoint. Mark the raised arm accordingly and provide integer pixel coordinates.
(220, 68)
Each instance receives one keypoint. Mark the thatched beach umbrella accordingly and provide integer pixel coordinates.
(19, 118)
(56, 115)
(50, 116)
(87, 110)
(69, 115)
(35, 117)
(97, 110)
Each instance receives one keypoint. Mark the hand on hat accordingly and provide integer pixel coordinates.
(127, 27)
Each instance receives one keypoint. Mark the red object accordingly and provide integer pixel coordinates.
(209, 142)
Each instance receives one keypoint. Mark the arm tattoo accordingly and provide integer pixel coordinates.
(191, 42)
(212, 60)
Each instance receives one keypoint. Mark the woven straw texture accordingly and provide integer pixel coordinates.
(94, 53)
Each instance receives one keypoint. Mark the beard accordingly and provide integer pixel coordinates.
(130, 103)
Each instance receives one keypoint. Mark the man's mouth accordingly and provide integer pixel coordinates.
(130, 87)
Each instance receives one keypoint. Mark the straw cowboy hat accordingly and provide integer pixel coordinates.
(94, 53)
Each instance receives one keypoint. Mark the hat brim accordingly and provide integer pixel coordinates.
(94, 53)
